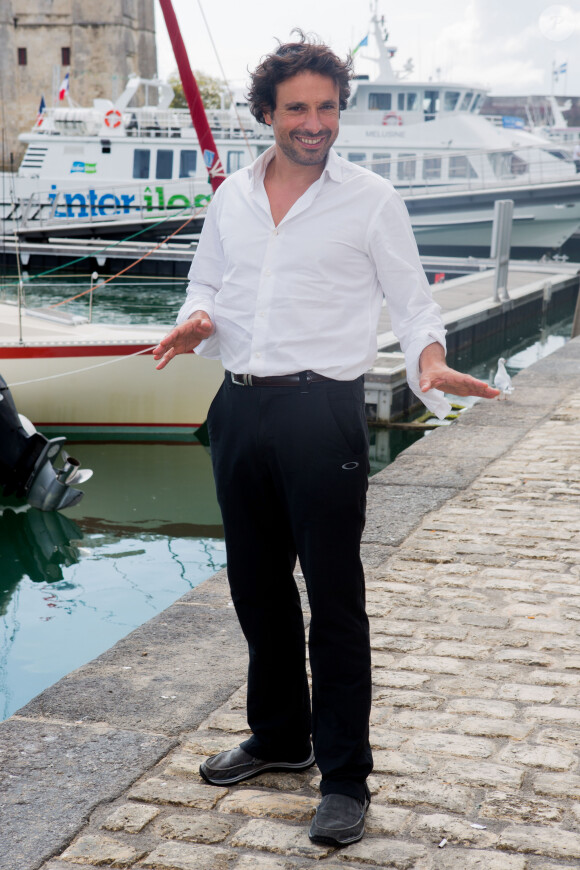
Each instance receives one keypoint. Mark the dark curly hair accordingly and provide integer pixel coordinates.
(291, 58)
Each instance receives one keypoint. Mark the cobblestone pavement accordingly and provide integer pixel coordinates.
(475, 725)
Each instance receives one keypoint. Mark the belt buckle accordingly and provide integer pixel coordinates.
(246, 380)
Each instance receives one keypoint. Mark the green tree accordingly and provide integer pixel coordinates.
(210, 89)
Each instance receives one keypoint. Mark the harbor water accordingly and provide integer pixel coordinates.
(75, 582)
(149, 527)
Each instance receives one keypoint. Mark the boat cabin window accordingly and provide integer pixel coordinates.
(561, 155)
(381, 164)
(406, 167)
(467, 98)
(460, 167)
(500, 162)
(430, 104)
(507, 163)
(141, 162)
(411, 102)
(401, 102)
(450, 100)
(357, 156)
(431, 168)
(187, 164)
(380, 102)
(234, 161)
(518, 166)
(164, 166)
(476, 102)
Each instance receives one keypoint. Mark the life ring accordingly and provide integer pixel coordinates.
(392, 120)
(113, 118)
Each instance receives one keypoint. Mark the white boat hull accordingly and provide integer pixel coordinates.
(464, 230)
(92, 380)
(544, 217)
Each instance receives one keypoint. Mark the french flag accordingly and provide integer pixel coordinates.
(41, 108)
(63, 90)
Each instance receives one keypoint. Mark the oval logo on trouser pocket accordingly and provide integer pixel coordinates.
(350, 466)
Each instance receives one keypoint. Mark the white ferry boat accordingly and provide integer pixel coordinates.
(124, 161)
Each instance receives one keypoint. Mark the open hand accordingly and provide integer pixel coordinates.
(458, 384)
(436, 374)
(184, 338)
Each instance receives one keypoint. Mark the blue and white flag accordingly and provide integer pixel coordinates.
(364, 41)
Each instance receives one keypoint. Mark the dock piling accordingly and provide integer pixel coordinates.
(501, 235)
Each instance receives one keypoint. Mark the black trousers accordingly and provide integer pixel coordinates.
(291, 471)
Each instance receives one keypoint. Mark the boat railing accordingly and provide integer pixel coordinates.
(139, 202)
(442, 172)
(176, 123)
(563, 135)
(151, 122)
(566, 136)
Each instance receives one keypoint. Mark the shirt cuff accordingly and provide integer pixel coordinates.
(209, 348)
(191, 305)
(434, 400)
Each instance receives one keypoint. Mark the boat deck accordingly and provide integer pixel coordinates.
(54, 327)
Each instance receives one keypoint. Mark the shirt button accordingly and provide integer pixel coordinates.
(267, 273)
(258, 354)
(274, 232)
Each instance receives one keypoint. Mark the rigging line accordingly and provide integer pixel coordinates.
(127, 268)
(107, 248)
(157, 278)
(85, 369)
(233, 102)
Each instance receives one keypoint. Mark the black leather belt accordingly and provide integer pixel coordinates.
(294, 380)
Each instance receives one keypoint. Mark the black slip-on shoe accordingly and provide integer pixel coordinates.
(234, 765)
(339, 820)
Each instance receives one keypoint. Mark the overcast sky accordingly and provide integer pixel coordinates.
(509, 46)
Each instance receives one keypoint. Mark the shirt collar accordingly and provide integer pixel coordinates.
(257, 169)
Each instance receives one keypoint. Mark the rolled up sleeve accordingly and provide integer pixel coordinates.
(415, 316)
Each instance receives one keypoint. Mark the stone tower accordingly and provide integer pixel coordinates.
(98, 42)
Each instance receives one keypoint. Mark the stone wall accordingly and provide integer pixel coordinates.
(108, 40)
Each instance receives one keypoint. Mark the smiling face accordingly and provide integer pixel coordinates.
(305, 120)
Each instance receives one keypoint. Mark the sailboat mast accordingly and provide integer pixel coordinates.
(193, 97)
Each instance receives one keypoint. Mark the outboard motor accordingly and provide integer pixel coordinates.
(27, 462)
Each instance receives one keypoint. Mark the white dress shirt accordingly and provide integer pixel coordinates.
(307, 294)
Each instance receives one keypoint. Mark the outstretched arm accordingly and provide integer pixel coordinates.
(184, 338)
(435, 373)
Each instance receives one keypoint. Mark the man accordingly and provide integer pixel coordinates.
(286, 287)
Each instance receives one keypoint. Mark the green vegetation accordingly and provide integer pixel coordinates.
(210, 89)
